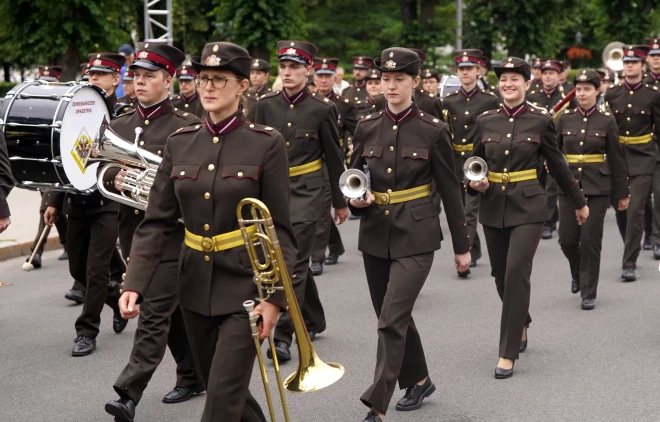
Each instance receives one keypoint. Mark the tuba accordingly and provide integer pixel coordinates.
(140, 165)
(475, 169)
(613, 56)
(269, 271)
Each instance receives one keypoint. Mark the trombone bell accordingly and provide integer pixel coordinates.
(475, 168)
(353, 183)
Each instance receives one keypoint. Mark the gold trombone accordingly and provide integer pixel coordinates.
(270, 269)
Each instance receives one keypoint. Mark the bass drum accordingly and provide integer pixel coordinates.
(49, 127)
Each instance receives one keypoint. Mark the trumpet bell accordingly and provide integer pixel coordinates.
(475, 168)
(353, 183)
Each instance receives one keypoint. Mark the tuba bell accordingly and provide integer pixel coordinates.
(140, 166)
(353, 183)
(613, 56)
(475, 169)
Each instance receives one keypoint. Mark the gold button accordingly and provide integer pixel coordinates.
(503, 188)
(466, 126)
(123, 276)
(391, 148)
(216, 139)
(288, 144)
(629, 105)
(207, 227)
(596, 134)
(182, 173)
(160, 152)
(389, 191)
(146, 122)
(632, 92)
(288, 124)
(421, 114)
(504, 171)
(141, 143)
(136, 212)
(186, 106)
(389, 170)
(508, 135)
(529, 139)
(506, 152)
(581, 143)
(628, 118)
(467, 112)
(371, 152)
(394, 127)
(414, 154)
(463, 140)
(582, 131)
(207, 258)
(579, 168)
(468, 100)
(462, 152)
(568, 133)
(239, 174)
(585, 119)
(387, 212)
(307, 135)
(511, 119)
(291, 106)
(627, 132)
(211, 167)
(207, 195)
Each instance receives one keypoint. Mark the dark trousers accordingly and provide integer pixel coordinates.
(656, 205)
(224, 353)
(551, 195)
(327, 234)
(582, 245)
(511, 251)
(160, 324)
(631, 221)
(471, 215)
(394, 285)
(60, 225)
(91, 242)
(117, 269)
(648, 215)
(304, 285)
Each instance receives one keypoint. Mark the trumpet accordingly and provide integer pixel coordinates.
(475, 169)
(354, 183)
(139, 164)
(269, 270)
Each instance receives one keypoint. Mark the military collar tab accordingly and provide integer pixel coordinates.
(360, 84)
(296, 98)
(190, 99)
(403, 116)
(470, 94)
(156, 110)
(589, 112)
(225, 126)
(550, 92)
(634, 87)
(514, 111)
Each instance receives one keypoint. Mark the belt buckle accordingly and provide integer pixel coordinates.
(505, 177)
(384, 198)
(207, 244)
(580, 158)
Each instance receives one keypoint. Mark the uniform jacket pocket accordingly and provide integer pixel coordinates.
(491, 137)
(644, 111)
(605, 170)
(415, 153)
(185, 171)
(597, 133)
(315, 182)
(307, 133)
(422, 211)
(373, 151)
(240, 171)
(568, 132)
(532, 190)
(530, 138)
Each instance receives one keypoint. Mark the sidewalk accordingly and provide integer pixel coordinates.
(18, 238)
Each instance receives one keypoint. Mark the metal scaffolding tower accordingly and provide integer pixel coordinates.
(158, 20)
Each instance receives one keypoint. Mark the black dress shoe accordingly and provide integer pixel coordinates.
(501, 373)
(64, 256)
(473, 262)
(523, 343)
(547, 233)
(75, 295)
(464, 274)
(648, 244)
(415, 395)
(36, 261)
(282, 351)
(313, 333)
(317, 268)
(83, 346)
(575, 286)
(332, 259)
(628, 274)
(123, 409)
(656, 252)
(588, 304)
(118, 323)
(181, 394)
(372, 417)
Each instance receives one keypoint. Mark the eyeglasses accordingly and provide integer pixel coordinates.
(218, 82)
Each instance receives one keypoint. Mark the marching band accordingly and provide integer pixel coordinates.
(534, 154)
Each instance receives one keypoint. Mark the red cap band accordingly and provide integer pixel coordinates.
(328, 66)
(153, 57)
(104, 63)
(292, 51)
(467, 59)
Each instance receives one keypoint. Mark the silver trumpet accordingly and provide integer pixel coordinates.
(353, 183)
(475, 169)
(139, 164)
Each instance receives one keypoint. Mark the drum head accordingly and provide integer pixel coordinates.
(80, 126)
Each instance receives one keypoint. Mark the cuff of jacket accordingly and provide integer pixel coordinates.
(460, 238)
(338, 200)
(576, 196)
(468, 189)
(137, 269)
(279, 299)
(4, 209)
(620, 189)
(357, 211)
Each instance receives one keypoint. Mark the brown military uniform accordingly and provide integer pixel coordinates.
(461, 110)
(161, 322)
(360, 97)
(192, 105)
(586, 137)
(308, 123)
(653, 208)
(511, 141)
(251, 97)
(636, 109)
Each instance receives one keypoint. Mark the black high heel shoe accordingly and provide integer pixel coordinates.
(523, 343)
(501, 373)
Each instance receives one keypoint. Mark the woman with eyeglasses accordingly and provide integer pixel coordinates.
(206, 171)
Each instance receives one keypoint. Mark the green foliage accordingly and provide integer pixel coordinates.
(191, 26)
(5, 87)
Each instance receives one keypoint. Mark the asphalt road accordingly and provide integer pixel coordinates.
(601, 365)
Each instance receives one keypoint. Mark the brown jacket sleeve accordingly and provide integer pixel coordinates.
(333, 155)
(55, 199)
(450, 189)
(617, 163)
(6, 178)
(558, 167)
(357, 162)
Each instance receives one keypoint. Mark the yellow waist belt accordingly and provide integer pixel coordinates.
(217, 243)
(636, 140)
(384, 198)
(512, 177)
(585, 158)
(462, 148)
(305, 168)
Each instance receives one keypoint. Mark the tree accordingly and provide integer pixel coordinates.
(61, 32)
(191, 25)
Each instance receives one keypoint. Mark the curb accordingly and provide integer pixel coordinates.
(23, 249)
